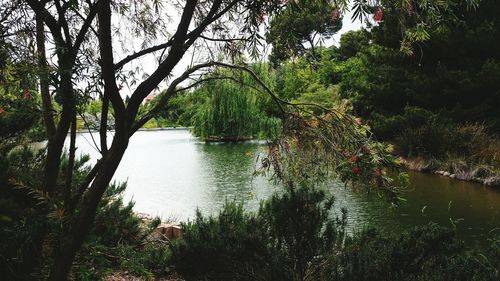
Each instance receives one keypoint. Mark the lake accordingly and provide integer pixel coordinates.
(170, 173)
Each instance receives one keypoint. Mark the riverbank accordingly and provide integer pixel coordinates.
(125, 276)
(79, 131)
(458, 170)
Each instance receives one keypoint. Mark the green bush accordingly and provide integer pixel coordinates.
(428, 252)
(28, 221)
(286, 240)
(233, 244)
(387, 127)
(457, 147)
(294, 237)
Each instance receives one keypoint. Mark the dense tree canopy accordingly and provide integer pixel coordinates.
(81, 50)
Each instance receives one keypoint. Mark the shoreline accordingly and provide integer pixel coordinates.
(79, 131)
(475, 174)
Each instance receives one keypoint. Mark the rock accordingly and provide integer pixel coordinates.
(446, 174)
(453, 176)
(492, 181)
(169, 231)
(176, 231)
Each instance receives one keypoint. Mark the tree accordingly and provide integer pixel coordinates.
(234, 108)
(303, 22)
(77, 45)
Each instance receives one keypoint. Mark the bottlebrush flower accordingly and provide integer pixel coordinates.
(287, 145)
(260, 18)
(336, 14)
(2, 110)
(273, 149)
(379, 15)
(27, 94)
(354, 159)
(356, 170)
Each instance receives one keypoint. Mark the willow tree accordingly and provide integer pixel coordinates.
(78, 47)
(234, 108)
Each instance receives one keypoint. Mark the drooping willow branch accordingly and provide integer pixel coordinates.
(172, 90)
(324, 143)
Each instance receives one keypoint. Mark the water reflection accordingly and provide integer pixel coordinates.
(229, 169)
(171, 173)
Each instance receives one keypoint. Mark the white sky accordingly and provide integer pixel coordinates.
(148, 63)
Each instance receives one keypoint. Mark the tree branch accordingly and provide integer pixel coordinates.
(172, 89)
(71, 163)
(222, 39)
(175, 54)
(62, 22)
(141, 53)
(103, 128)
(48, 110)
(48, 19)
(106, 61)
(85, 26)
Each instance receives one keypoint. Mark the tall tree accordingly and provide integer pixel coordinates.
(78, 45)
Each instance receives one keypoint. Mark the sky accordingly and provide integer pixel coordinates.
(148, 63)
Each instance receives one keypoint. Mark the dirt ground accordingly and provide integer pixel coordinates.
(123, 276)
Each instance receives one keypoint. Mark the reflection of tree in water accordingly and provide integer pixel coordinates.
(230, 170)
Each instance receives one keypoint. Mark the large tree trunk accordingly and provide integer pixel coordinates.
(82, 223)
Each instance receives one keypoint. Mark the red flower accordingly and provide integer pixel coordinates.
(378, 172)
(260, 18)
(287, 145)
(2, 110)
(354, 159)
(27, 94)
(272, 149)
(376, 183)
(336, 15)
(356, 170)
(379, 15)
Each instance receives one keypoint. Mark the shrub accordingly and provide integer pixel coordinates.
(286, 240)
(464, 149)
(28, 221)
(428, 252)
(294, 237)
(233, 244)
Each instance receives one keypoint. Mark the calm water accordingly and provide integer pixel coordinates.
(171, 173)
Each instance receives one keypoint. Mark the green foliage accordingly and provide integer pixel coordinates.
(419, 101)
(452, 74)
(428, 252)
(19, 113)
(300, 225)
(469, 151)
(116, 240)
(302, 22)
(222, 247)
(285, 240)
(295, 237)
(233, 111)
